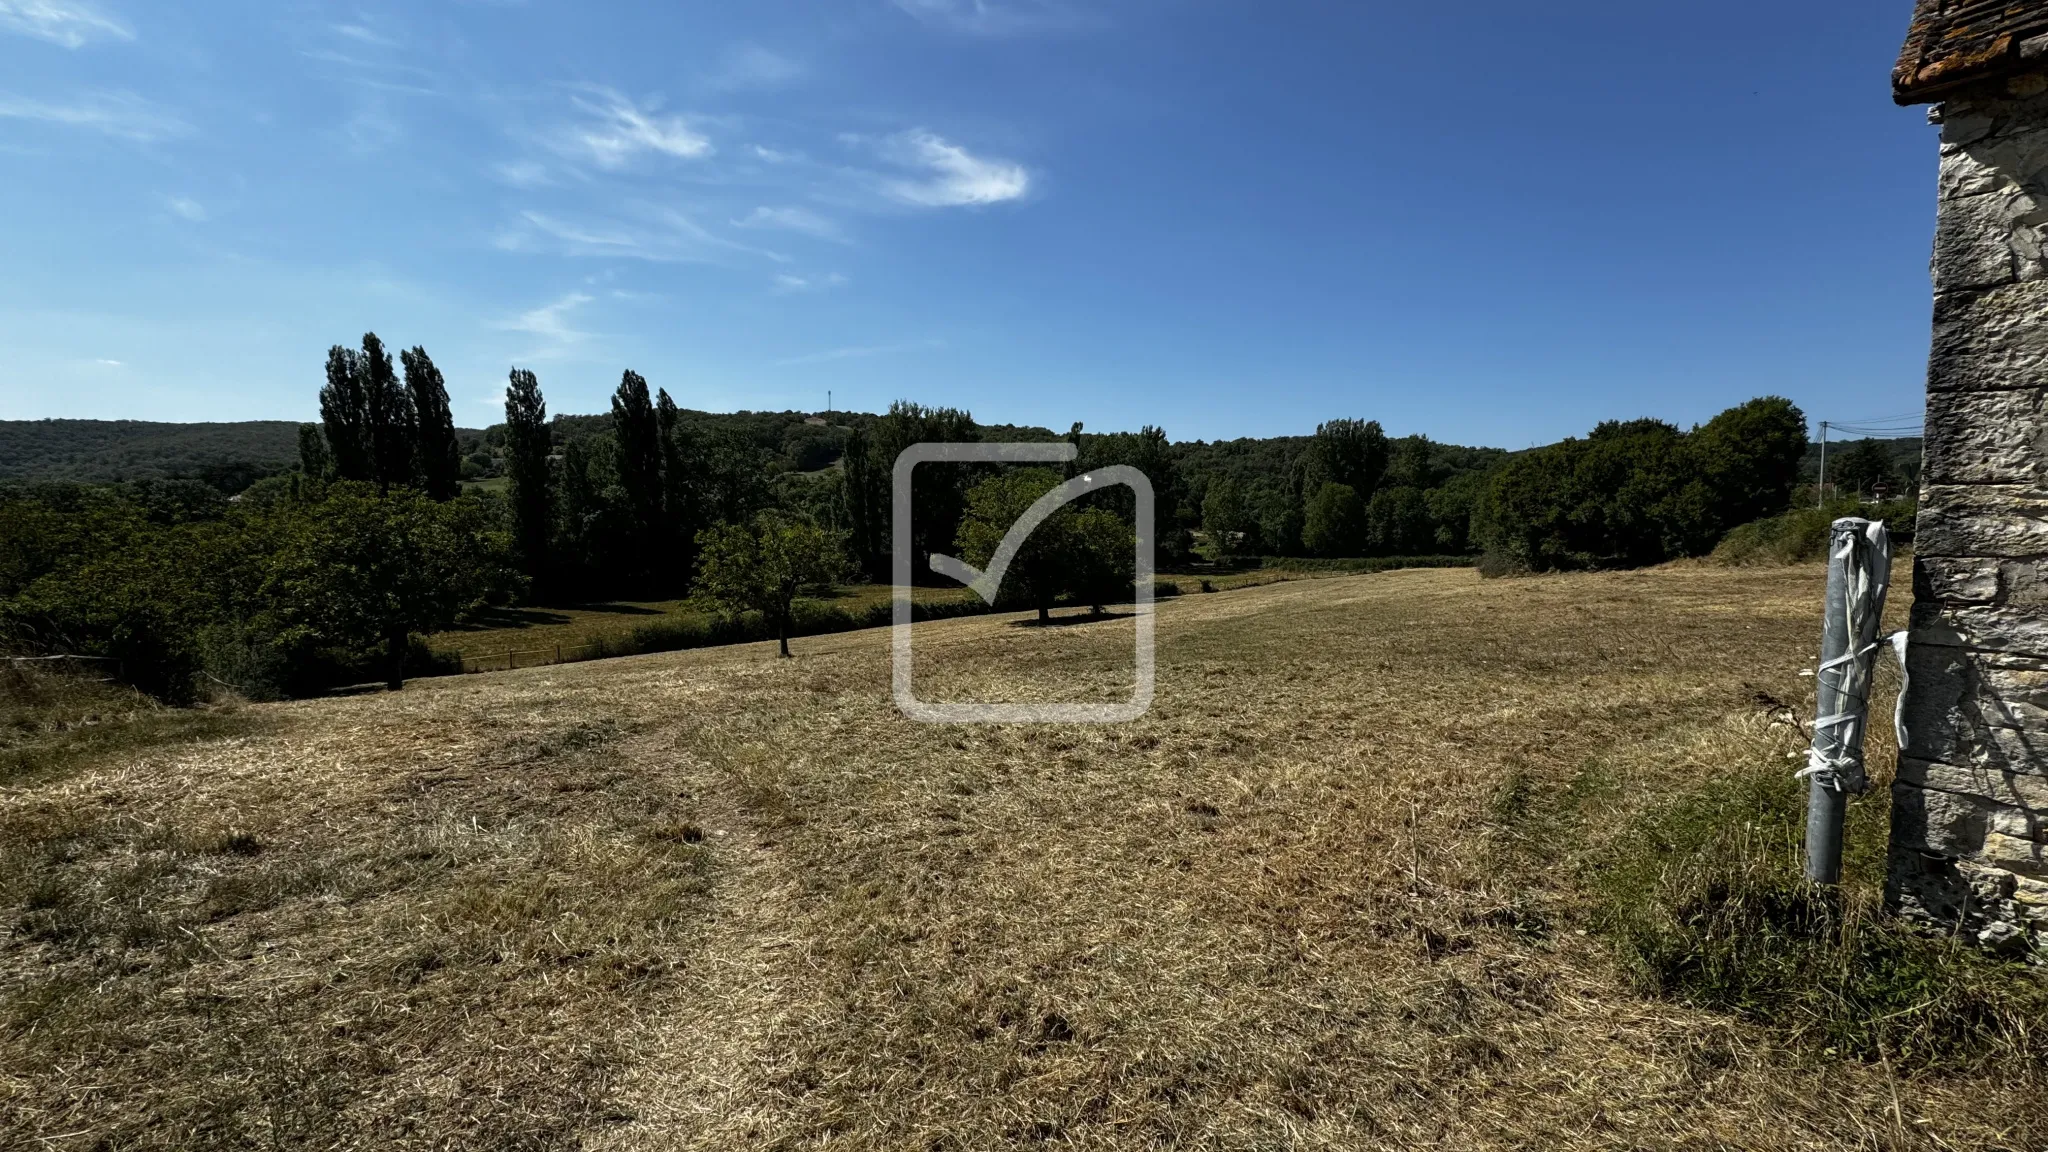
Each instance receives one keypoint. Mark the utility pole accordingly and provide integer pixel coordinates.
(1820, 490)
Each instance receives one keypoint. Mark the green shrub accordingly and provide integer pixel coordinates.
(1704, 899)
(1640, 492)
(1495, 564)
(1801, 534)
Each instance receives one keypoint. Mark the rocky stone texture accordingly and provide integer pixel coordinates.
(1970, 802)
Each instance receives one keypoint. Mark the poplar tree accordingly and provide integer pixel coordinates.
(867, 505)
(345, 415)
(527, 446)
(315, 461)
(393, 426)
(437, 456)
(678, 497)
(637, 433)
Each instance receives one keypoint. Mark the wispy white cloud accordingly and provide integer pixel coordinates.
(122, 115)
(752, 66)
(373, 126)
(1011, 18)
(106, 363)
(72, 23)
(856, 352)
(951, 175)
(791, 219)
(375, 57)
(583, 238)
(788, 282)
(651, 233)
(619, 130)
(190, 209)
(364, 34)
(523, 173)
(551, 320)
(774, 155)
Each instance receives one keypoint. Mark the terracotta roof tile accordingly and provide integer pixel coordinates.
(1957, 42)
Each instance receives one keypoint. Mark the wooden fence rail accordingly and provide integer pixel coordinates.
(558, 652)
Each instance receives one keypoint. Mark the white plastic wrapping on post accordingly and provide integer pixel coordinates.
(1835, 760)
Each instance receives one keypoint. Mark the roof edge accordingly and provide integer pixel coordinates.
(1938, 59)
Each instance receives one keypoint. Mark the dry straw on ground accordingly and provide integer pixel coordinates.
(714, 900)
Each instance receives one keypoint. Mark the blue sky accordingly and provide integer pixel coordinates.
(1490, 222)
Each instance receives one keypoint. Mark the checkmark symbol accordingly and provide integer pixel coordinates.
(986, 583)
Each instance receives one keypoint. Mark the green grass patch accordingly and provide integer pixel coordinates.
(1704, 901)
(54, 720)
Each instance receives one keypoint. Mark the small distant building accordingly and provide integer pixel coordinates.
(1970, 808)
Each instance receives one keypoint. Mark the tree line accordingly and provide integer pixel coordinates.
(336, 571)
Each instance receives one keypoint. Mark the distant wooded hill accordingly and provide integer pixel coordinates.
(230, 456)
(1903, 454)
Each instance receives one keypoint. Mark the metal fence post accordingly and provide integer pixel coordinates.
(1859, 574)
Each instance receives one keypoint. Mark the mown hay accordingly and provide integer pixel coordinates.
(1329, 893)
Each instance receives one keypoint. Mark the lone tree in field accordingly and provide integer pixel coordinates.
(1040, 571)
(1103, 551)
(368, 571)
(763, 565)
(1087, 555)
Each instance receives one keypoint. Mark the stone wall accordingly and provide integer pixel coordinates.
(1970, 805)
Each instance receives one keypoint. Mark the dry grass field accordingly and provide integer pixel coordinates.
(537, 633)
(716, 900)
(550, 635)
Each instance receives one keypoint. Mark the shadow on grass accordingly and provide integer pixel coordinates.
(1070, 621)
(503, 619)
(494, 619)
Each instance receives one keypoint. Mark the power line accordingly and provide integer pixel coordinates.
(1903, 426)
(1879, 419)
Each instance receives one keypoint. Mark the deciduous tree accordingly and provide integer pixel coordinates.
(365, 571)
(1334, 522)
(762, 565)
